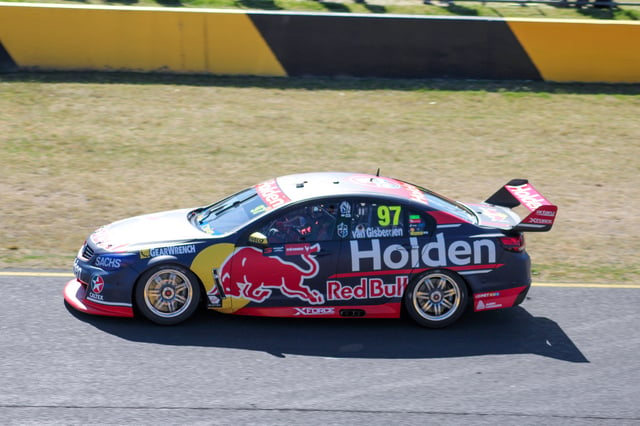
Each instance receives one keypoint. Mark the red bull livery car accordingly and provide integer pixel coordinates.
(316, 245)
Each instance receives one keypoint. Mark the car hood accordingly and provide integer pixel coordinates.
(170, 227)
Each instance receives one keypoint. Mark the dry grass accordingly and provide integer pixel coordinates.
(78, 151)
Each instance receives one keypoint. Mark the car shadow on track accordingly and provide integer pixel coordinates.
(508, 331)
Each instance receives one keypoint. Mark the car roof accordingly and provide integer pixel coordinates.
(299, 187)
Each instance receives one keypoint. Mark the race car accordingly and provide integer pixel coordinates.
(316, 245)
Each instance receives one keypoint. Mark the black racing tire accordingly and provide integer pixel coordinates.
(436, 298)
(168, 294)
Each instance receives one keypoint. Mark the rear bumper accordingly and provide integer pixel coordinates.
(505, 286)
(75, 295)
(499, 299)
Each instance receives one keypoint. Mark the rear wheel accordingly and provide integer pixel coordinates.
(436, 298)
(168, 294)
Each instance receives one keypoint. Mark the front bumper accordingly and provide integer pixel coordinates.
(75, 295)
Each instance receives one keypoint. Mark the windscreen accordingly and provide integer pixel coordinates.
(227, 215)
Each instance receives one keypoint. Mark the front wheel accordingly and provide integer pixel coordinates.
(168, 294)
(436, 298)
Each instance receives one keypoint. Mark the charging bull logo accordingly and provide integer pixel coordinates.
(250, 274)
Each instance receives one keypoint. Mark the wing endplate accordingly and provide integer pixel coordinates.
(520, 192)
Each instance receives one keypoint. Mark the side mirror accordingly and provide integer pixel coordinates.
(258, 239)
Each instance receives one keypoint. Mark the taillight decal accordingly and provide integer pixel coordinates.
(514, 243)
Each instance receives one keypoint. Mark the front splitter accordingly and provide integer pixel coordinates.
(74, 294)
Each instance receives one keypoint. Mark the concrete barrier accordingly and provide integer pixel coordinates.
(227, 42)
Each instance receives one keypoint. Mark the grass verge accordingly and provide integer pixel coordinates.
(81, 150)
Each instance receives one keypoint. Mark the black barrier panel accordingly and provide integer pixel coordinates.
(395, 47)
(6, 61)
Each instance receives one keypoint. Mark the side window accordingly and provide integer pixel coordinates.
(371, 219)
(419, 224)
(314, 222)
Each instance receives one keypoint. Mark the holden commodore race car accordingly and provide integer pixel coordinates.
(316, 245)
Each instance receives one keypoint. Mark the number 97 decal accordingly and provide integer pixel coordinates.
(389, 215)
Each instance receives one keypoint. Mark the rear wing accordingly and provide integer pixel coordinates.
(520, 191)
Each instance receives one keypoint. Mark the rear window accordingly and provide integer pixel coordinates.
(438, 202)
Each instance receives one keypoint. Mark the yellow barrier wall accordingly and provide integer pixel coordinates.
(139, 39)
(584, 51)
(70, 37)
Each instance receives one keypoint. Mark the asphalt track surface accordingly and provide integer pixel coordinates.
(568, 356)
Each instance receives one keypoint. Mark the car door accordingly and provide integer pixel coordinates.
(296, 253)
(379, 253)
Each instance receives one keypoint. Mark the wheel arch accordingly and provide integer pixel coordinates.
(163, 261)
(418, 276)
